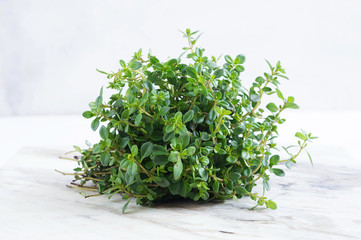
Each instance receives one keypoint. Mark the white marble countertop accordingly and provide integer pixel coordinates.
(320, 202)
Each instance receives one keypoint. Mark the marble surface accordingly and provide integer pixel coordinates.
(320, 202)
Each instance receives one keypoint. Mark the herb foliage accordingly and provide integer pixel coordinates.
(186, 130)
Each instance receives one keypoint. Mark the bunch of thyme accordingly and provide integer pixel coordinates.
(186, 130)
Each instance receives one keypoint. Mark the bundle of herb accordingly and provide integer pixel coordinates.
(186, 130)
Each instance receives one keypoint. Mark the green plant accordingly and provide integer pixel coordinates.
(186, 130)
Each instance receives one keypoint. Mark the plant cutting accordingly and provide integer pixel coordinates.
(186, 128)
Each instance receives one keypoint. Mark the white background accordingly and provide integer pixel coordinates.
(49, 49)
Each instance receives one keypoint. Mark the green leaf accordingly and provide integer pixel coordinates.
(290, 99)
(235, 176)
(184, 140)
(174, 188)
(105, 158)
(231, 159)
(267, 89)
(219, 110)
(188, 116)
(279, 172)
(228, 59)
(238, 130)
(123, 142)
(101, 91)
(103, 131)
(283, 76)
(271, 204)
(240, 59)
(241, 190)
(272, 107)
(125, 206)
(88, 114)
(122, 63)
(270, 66)
(125, 114)
(132, 168)
(203, 173)
(170, 128)
(150, 197)
(129, 179)
(191, 72)
(153, 60)
(266, 185)
(161, 181)
(291, 105)
(160, 160)
(190, 151)
(260, 80)
(220, 151)
(135, 65)
(216, 186)
(218, 73)
(174, 156)
(309, 156)
(204, 160)
(159, 150)
(98, 101)
(274, 160)
(226, 112)
(95, 124)
(78, 149)
(134, 150)
(163, 111)
(279, 94)
(168, 136)
(212, 115)
(288, 163)
(177, 169)
(146, 150)
(178, 116)
(182, 130)
(102, 71)
(300, 136)
(205, 136)
(138, 118)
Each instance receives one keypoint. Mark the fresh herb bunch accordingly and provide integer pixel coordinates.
(176, 130)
